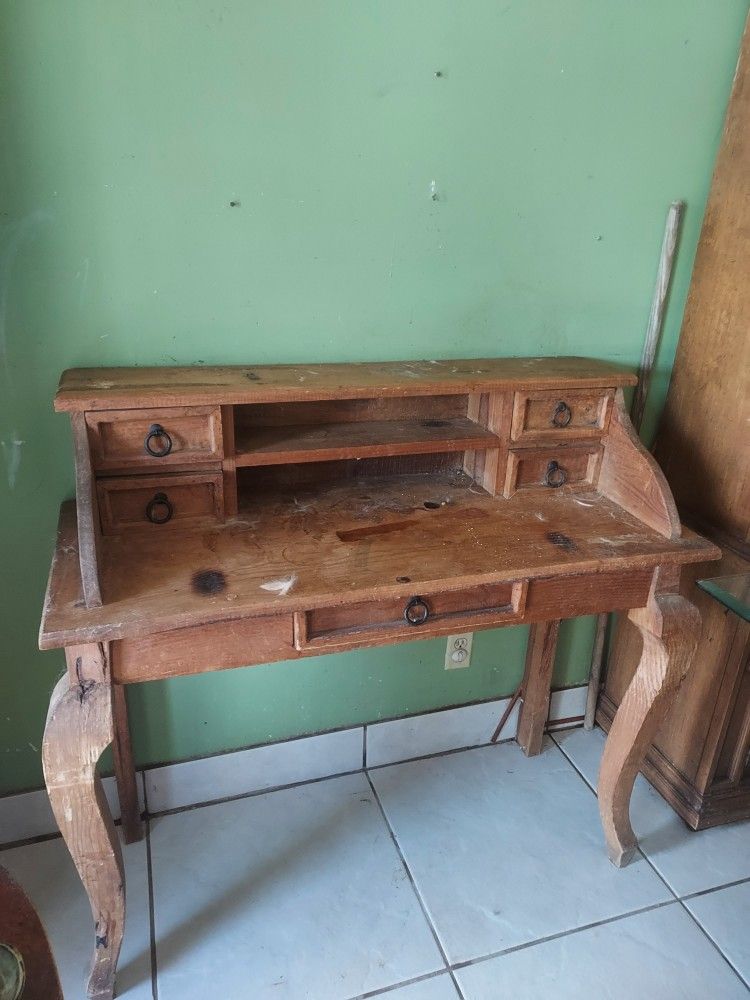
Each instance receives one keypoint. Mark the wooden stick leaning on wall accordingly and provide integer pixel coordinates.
(645, 372)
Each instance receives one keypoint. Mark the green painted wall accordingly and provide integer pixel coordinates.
(553, 134)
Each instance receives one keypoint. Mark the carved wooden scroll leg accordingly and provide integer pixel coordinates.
(670, 626)
(537, 683)
(79, 728)
(127, 788)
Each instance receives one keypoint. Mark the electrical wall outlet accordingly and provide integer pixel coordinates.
(458, 651)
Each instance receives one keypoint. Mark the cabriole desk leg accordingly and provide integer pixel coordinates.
(670, 626)
(79, 728)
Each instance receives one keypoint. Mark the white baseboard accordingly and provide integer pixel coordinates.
(243, 772)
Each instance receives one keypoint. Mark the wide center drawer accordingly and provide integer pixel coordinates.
(157, 503)
(422, 615)
(149, 440)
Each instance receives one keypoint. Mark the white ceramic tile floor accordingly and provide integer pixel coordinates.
(659, 955)
(303, 887)
(686, 860)
(724, 913)
(302, 893)
(507, 850)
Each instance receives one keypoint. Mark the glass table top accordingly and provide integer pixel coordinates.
(731, 591)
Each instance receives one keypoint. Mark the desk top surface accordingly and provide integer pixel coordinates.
(112, 388)
(350, 542)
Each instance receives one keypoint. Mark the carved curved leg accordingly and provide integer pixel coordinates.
(79, 727)
(670, 626)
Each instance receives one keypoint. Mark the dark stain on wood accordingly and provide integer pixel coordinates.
(561, 541)
(208, 582)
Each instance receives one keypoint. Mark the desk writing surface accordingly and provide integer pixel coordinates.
(346, 543)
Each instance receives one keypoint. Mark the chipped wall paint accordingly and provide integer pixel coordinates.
(202, 182)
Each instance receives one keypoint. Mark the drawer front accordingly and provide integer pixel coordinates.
(198, 648)
(158, 503)
(552, 468)
(373, 622)
(149, 440)
(549, 415)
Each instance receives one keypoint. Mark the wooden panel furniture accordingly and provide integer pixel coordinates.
(699, 758)
(228, 515)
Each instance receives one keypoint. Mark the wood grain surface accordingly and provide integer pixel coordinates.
(79, 728)
(109, 388)
(348, 543)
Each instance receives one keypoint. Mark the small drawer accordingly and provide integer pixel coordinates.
(550, 415)
(149, 440)
(551, 468)
(373, 622)
(156, 504)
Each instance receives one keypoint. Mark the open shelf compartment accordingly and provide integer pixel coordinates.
(321, 431)
(376, 439)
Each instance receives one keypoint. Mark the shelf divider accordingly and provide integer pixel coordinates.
(325, 442)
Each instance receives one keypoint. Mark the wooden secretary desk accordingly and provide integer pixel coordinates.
(225, 515)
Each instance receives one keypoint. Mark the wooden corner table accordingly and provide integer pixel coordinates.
(233, 515)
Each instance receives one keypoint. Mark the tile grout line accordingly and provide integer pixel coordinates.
(252, 794)
(41, 838)
(558, 724)
(159, 765)
(417, 893)
(440, 753)
(715, 888)
(364, 746)
(656, 871)
(397, 986)
(151, 905)
(307, 781)
(561, 934)
(711, 941)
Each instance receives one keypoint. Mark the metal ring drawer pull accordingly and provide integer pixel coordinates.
(416, 611)
(562, 414)
(159, 509)
(555, 475)
(157, 431)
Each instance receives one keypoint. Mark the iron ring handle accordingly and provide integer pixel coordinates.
(157, 431)
(555, 476)
(157, 502)
(416, 611)
(562, 414)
